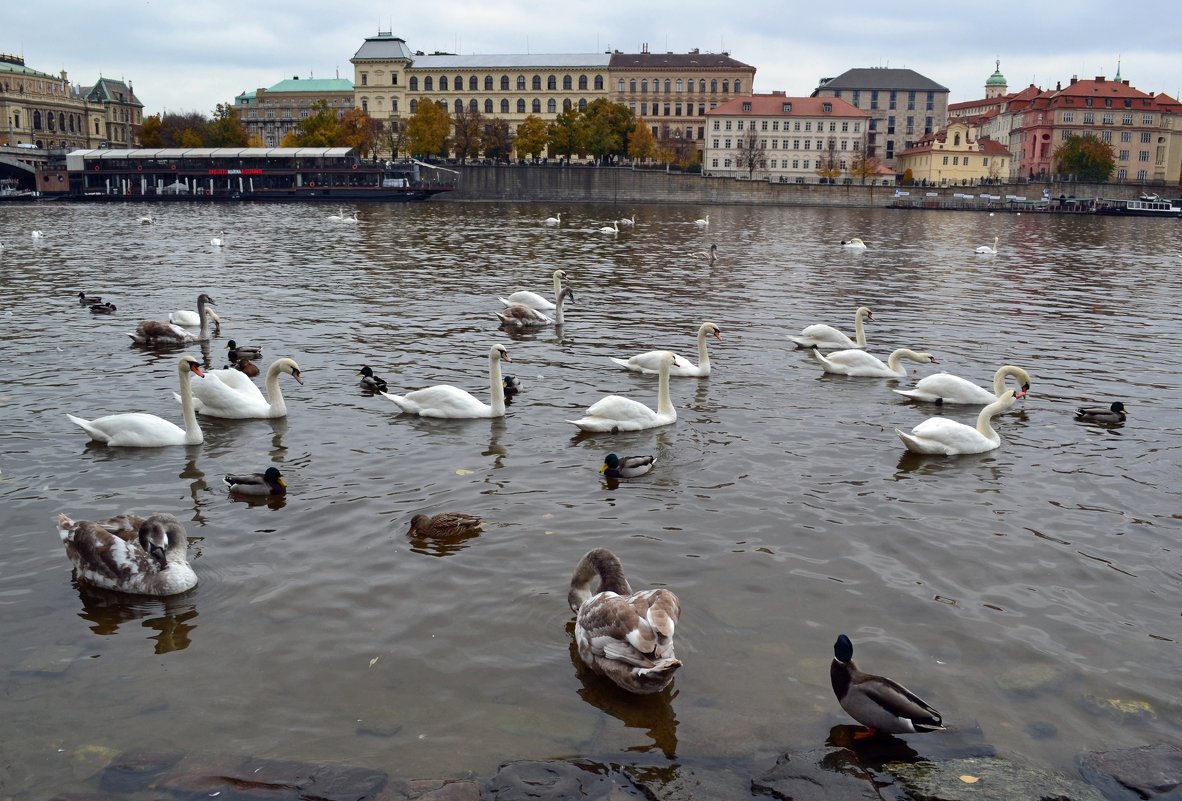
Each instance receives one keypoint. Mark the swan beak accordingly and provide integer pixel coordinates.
(935, 360)
(718, 334)
(870, 318)
(296, 375)
(505, 357)
(1021, 393)
(196, 368)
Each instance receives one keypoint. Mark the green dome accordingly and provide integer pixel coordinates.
(996, 79)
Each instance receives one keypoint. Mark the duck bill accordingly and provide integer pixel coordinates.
(604, 468)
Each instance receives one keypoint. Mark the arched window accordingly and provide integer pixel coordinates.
(552, 82)
(474, 84)
(551, 106)
(71, 123)
(474, 106)
(458, 83)
(537, 106)
(702, 86)
(566, 82)
(37, 121)
(414, 83)
(488, 106)
(598, 83)
(583, 84)
(620, 86)
(520, 105)
(49, 119)
(414, 104)
(443, 83)
(488, 83)
(679, 85)
(442, 104)
(632, 86)
(537, 83)
(714, 85)
(644, 86)
(521, 83)
(504, 105)
(504, 83)
(726, 87)
(459, 106)
(427, 85)
(956, 141)
(582, 104)
(567, 104)
(668, 86)
(738, 86)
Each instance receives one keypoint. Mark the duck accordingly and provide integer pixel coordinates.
(244, 366)
(218, 240)
(623, 635)
(140, 430)
(942, 388)
(1113, 415)
(616, 413)
(826, 337)
(243, 351)
(444, 524)
(939, 435)
(627, 220)
(555, 220)
(512, 385)
(859, 363)
(269, 483)
(446, 401)
(650, 362)
(626, 466)
(156, 332)
(189, 317)
(370, 381)
(88, 300)
(103, 308)
(613, 229)
(152, 561)
(985, 249)
(704, 222)
(521, 316)
(878, 703)
(533, 299)
(231, 395)
(853, 244)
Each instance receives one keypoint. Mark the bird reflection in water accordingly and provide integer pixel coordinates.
(171, 618)
(272, 502)
(653, 713)
(196, 478)
(862, 753)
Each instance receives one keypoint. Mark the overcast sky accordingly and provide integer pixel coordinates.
(190, 56)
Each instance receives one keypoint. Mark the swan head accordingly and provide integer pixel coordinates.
(561, 275)
(289, 366)
(712, 329)
(864, 311)
(566, 294)
(499, 353)
(160, 534)
(206, 299)
(189, 364)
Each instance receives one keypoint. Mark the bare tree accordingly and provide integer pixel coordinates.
(392, 135)
(468, 124)
(498, 139)
(751, 150)
(829, 165)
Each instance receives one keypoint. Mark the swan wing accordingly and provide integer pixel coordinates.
(854, 362)
(213, 398)
(944, 436)
(526, 298)
(443, 401)
(823, 336)
(235, 380)
(132, 430)
(651, 363)
(617, 413)
(948, 388)
(184, 317)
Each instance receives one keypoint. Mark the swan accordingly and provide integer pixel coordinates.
(947, 388)
(853, 244)
(712, 255)
(612, 229)
(139, 430)
(155, 332)
(702, 223)
(948, 437)
(453, 403)
(340, 215)
(218, 240)
(555, 220)
(191, 318)
(352, 218)
(627, 220)
(270, 483)
(152, 560)
(827, 337)
(533, 299)
(860, 363)
(38, 235)
(230, 394)
(989, 251)
(651, 362)
(623, 635)
(521, 316)
(616, 413)
(147, 219)
(878, 703)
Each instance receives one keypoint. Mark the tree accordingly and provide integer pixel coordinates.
(564, 136)
(1086, 157)
(468, 126)
(391, 135)
(828, 164)
(864, 166)
(750, 155)
(428, 128)
(152, 132)
(225, 130)
(498, 139)
(605, 128)
(642, 145)
(531, 137)
(321, 128)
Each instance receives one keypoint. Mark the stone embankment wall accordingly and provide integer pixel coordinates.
(627, 186)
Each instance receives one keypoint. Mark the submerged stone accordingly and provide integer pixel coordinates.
(1122, 709)
(823, 774)
(1029, 678)
(1149, 772)
(986, 779)
(560, 781)
(432, 790)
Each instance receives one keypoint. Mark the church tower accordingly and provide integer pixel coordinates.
(996, 85)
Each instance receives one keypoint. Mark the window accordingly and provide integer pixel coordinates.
(364, 79)
(796, 144)
(459, 106)
(537, 83)
(1068, 116)
(552, 82)
(1108, 119)
(583, 83)
(892, 103)
(826, 107)
(679, 85)
(504, 105)
(738, 85)
(716, 126)
(726, 87)
(668, 86)
(701, 86)
(1122, 174)
(632, 86)
(714, 162)
(521, 83)
(488, 105)
(1065, 135)
(428, 86)
(394, 78)
(955, 160)
(537, 106)
(873, 99)
(1147, 119)
(566, 104)
(746, 107)
(845, 126)
(1089, 117)
(728, 125)
(927, 125)
(890, 125)
(414, 83)
(786, 108)
(644, 85)
(551, 106)
(763, 125)
(931, 101)
(474, 106)
(845, 144)
(1145, 137)
(488, 83)
(1126, 136)
(1143, 155)
(1142, 175)
(832, 127)
(443, 83)
(1106, 136)
(504, 83)
(677, 110)
(1127, 119)
(796, 164)
(598, 83)
(807, 144)
(619, 87)
(414, 104)
(727, 144)
(714, 144)
(714, 85)
(520, 105)
(644, 113)
(808, 125)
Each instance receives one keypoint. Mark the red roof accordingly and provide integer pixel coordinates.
(774, 106)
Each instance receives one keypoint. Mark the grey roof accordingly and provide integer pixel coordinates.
(211, 152)
(108, 90)
(881, 78)
(384, 47)
(676, 61)
(519, 61)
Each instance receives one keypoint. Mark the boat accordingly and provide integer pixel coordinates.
(225, 173)
(10, 189)
(1141, 207)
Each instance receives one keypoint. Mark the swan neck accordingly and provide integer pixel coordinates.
(496, 389)
(557, 285)
(703, 352)
(859, 330)
(274, 391)
(984, 419)
(664, 404)
(204, 335)
(192, 429)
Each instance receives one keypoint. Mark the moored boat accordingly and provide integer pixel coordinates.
(1144, 206)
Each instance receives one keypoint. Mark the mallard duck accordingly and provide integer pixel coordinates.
(370, 381)
(244, 366)
(444, 524)
(103, 308)
(153, 561)
(1113, 415)
(625, 636)
(626, 467)
(512, 385)
(268, 483)
(88, 300)
(243, 351)
(878, 703)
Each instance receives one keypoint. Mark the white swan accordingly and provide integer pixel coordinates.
(521, 316)
(193, 318)
(616, 413)
(232, 395)
(702, 223)
(340, 215)
(147, 219)
(826, 337)
(555, 220)
(454, 403)
(139, 430)
(38, 235)
(533, 299)
(651, 362)
(989, 251)
(860, 363)
(627, 220)
(948, 437)
(612, 229)
(218, 240)
(352, 218)
(853, 244)
(947, 388)
(151, 559)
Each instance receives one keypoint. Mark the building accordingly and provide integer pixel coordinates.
(903, 106)
(954, 157)
(785, 139)
(47, 111)
(122, 112)
(269, 114)
(672, 92)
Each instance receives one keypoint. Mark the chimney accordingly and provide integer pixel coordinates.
(779, 93)
(1099, 79)
(1058, 85)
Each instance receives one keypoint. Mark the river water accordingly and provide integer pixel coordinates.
(1031, 593)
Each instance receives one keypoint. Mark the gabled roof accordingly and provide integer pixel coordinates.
(783, 106)
(109, 90)
(676, 61)
(881, 78)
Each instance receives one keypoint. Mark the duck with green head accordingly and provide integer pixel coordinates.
(878, 703)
